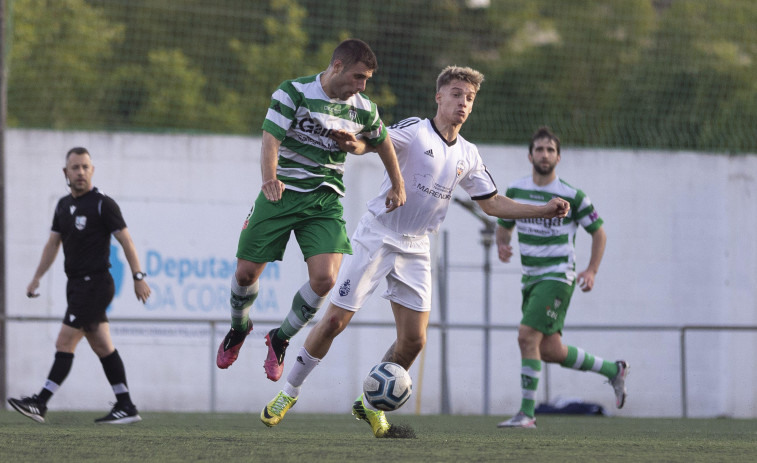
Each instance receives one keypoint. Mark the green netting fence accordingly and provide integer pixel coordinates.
(646, 74)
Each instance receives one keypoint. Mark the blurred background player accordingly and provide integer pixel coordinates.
(549, 275)
(83, 223)
(302, 172)
(434, 159)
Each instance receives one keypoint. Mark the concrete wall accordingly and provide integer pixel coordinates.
(681, 251)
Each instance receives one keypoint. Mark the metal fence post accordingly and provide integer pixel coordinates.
(443, 298)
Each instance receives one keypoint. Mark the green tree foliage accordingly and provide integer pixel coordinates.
(696, 78)
(548, 71)
(56, 61)
(673, 74)
(281, 55)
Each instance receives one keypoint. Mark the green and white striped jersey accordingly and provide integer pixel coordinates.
(547, 246)
(301, 115)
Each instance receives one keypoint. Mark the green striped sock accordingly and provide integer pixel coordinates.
(578, 359)
(241, 300)
(304, 306)
(529, 382)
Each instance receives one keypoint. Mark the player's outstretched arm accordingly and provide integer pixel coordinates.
(505, 208)
(349, 143)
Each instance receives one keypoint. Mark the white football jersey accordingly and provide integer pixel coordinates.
(432, 168)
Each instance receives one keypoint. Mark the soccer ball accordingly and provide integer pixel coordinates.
(387, 386)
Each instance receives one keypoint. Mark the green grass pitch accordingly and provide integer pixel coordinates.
(227, 437)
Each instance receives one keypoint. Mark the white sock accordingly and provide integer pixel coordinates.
(302, 367)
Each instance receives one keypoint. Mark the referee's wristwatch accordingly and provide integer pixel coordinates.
(139, 276)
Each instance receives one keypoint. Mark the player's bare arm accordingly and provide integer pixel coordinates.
(48, 257)
(396, 195)
(357, 145)
(269, 159)
(349, 143)
(141, 288)
(505, 208)
(503, 236)
(586, 278)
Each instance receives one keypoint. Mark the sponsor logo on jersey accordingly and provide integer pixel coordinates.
(594, 215)
(72, 209)
(432, 192)
(310, 125)
(430, 153)
(425, 184)
(546, 223)
(81, 222)
(333, 109)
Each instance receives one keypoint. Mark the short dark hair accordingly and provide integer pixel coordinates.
(78, 150)
(543, 132)
(353, 51)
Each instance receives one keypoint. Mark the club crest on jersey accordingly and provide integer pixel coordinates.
(460, 168)
(353, 114)
(81, 222)
(344, 289)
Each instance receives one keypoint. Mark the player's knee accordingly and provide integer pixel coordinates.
(549, 356)
(244, 280)
(247, 272)
(61, 346)
(321, 285)
(527, 341)
(331, 325)
(553, 352)
(410, 348)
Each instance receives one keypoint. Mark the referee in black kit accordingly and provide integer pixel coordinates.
(83, 222)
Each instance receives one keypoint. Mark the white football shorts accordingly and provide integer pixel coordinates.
(378, 252)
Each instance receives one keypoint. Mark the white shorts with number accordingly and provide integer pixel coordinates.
(378, 252)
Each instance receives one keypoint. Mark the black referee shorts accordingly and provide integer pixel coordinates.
(88, 297)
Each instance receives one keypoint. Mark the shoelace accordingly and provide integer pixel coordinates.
(279, 404)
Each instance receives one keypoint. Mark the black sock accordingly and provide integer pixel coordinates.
(58, 372)
(116, 374)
